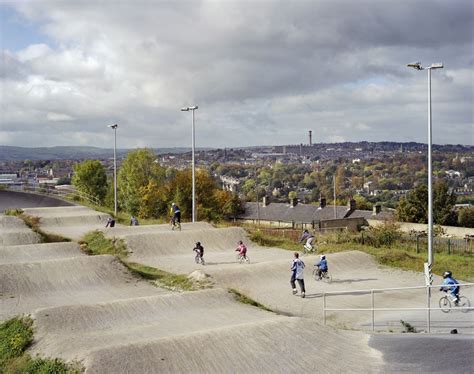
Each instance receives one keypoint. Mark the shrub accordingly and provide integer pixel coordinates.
(16, 335)
(385, 234)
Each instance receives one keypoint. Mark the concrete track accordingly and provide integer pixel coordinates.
(93, 310)
(20, 200)
(38, 252)
(13, 231)
(25, 287)
(70, 222)
(122, 231)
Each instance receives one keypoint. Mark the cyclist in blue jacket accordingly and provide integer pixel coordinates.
(322, 265)
(451, 287)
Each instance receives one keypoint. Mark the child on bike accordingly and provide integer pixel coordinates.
(453, 289)
(308, 238)
(322, 266)
(175, 214)
(242, 249)
(199, 249)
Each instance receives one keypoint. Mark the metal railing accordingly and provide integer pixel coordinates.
(373, 309)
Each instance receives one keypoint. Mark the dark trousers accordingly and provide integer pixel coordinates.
(300, 282)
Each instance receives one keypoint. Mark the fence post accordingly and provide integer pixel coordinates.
(418, 244)
(373, 309)
(324, 308)
(428, 314)
(449, 246)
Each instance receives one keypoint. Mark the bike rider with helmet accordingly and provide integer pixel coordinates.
(242, 249)
(452, 287)
(175, 214)
(322, 266)
(199, 249)
(309, 238)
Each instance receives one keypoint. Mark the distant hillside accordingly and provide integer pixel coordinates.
(8, 153)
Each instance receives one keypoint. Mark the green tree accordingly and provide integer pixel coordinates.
(137, 170)
(414, 206)
(443, 204)
(90, 179)
(466, 217)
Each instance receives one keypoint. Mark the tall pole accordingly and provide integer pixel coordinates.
(192, 109)
(193, 168)
(115, 171)
(335, 207)
(417, 66)
(430, 172)
(114, 127)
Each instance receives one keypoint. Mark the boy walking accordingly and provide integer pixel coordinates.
(297, 268)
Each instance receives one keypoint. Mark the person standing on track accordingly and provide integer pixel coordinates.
(297, 268)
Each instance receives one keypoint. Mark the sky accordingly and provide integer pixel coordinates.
(261, 72)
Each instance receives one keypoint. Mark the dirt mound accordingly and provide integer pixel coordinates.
(25, 287)
(38, 252)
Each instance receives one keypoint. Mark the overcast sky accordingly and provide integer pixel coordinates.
(262, 72)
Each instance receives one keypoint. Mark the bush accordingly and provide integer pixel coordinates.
(385, 234)
(16, 335)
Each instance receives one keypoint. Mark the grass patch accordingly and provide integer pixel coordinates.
(95, 243)
(16, 335)
(34, 224)
(241, 298)
(397, 257)
(164, 279)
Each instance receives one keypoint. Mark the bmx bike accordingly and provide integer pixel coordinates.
(175, 225)
(199, 259)
(308, 250)
(243, 259)
(325, 276)
(446, 304)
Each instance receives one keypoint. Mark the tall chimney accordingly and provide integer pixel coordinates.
(376, 209)
(310, 140)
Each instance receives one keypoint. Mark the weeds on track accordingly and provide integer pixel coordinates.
(34, 224)
(95, 243)
(16, 335)
(244, 299)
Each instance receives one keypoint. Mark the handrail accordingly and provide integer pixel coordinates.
(396, 288)
(372, 309)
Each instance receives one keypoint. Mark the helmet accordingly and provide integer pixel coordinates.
(322, 257)
(173, 204)
(240, 242)
(198, 243)
(447, 274)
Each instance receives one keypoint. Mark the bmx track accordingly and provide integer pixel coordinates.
(91, 309)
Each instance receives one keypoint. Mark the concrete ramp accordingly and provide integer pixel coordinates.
(72, 332)
(291, 345)
(71, 222)
(122, 231)
(13, 231)
(25, 287)
(182, 242)
(38, 252)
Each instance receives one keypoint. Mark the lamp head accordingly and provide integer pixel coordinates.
(194, 107)
(437, 65)
(185, 109)
(415, 65)
(113, 126)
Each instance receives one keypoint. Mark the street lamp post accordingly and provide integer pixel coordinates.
(192, 109)
(417, 66)
(114, 127)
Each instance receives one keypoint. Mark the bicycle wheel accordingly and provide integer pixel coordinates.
(197, 259)
(315, 275)
(445, 304)
(327, 278)
(465, 303)
(247, 259)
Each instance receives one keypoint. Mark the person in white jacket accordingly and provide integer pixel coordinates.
(297, 269)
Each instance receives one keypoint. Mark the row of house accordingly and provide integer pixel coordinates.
(320, 217)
